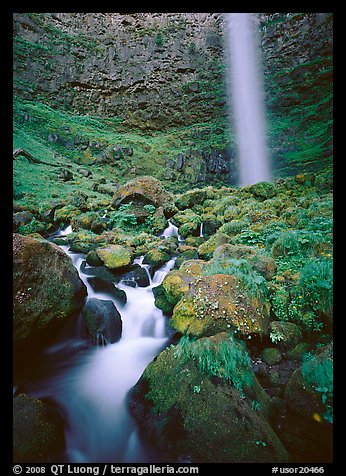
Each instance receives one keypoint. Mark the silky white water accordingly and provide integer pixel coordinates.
(92, 387)
(247, 99)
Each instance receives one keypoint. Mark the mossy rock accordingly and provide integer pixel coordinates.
(179, 408)
(156, 257)
(271, 356)
(115, 256)
(82, 247)
(191, 198)
(286, 334)
(206, 249)
(89, 221)
(66, 214)
(217, 303)
(186, 216)
(185, 256)
(46, 286)
(175, 285)
(298, 351)
(38, 431)
(194, 267)
(261, 262)
(263, 190)
(93, 259)
(162, 303)
(145, 190)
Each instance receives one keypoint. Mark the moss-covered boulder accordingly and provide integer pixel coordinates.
(156, 257)
(115, 257)
(89, 221)
(206, 249)
(38, 431)
(103, 321)
(263, 190)
(285, 334)
(161, 301)
(261, 262)
(145, 190)
(304, 390)
(194, 267)
(185, 256)
(217, 303)
(191, 198)
(271, 356)
(175, 285)
(93, 259)
(46, 286)
(190, 409)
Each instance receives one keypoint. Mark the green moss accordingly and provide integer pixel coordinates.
(114, 256)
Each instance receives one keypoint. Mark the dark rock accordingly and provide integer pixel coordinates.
(38, 431)
(22, 218)
(46, 286)
(101, 285)
(103, 321)
(137, 275)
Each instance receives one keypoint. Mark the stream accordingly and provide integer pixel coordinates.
(91, 384)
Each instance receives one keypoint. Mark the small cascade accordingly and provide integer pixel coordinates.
(201, 230)
(171, 230)
(91, 384)
(62, 233)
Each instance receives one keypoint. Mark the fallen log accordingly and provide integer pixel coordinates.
(28, 156)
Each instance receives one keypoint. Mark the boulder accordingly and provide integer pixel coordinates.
(38, 431)
(175, 285)
(156, 257)
(145, 190)
(263, 190)
(101, 285)
(114, 257)
(46, 286)
(191, 198)
(206, 249)
(22, 218)
(216, 303)
(136, 275)
(261, 262)
(192, 416)
(103, 321)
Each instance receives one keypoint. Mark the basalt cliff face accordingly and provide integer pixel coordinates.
(166, 73)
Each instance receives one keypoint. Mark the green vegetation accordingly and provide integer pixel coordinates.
(226, 359)
(318, 374)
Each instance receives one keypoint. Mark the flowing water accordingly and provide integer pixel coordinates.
(246, 98)
(91, 384)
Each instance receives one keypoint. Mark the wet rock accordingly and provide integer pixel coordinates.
(103, 321)
(103, 286)
(46, 286)
(137, 275)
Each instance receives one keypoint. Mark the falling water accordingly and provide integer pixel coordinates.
(91, 385)
(247, 99)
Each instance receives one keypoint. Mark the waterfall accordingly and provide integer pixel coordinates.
(246, 93)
